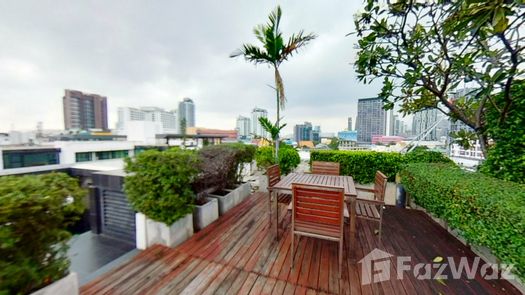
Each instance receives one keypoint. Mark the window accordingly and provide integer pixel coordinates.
(111, 155)
(84, 157)
(30, 158)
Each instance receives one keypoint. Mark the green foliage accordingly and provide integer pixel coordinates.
(334, 143)
(506, 159)
(487, 211)
(362, 165)
(159, 183)
(35, 211)
(424, 51)
(288, 158)
(464, 138)
(426, 156)
(272, 129)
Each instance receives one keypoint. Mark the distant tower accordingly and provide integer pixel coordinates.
(422, 121)
(371, 119)
(83, 111)
(187, 111)
(257, 129)
(349, 124)
(39, 129)
(243, 127)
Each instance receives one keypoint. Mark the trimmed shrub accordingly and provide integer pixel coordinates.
(288, 158)
(362, 165)
(159, 183)
(35, 212)
(487, 211)
(217, 168)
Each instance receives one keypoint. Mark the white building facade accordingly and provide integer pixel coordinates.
(243, 127)
(161, 120)
(257, 128)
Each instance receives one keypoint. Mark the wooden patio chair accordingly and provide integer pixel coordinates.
(273, 173)
(373, 209)
(317, 212)
(328, 168)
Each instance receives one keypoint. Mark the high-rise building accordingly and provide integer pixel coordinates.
(166, 120)
(371, 119)
(316, 134)
(422, 121)
(349, 128)
(257, 129)
(243, 127)
(303, 132)
(83, 111)
(398, 126)
(186, 113)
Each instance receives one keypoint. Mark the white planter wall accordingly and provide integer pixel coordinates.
(205, 214)
(150, 232)
(68, 285)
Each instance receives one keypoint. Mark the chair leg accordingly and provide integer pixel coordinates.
(380, 228)
(293, 257)
(340, 258)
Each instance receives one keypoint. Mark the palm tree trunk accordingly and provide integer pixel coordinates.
(278, 121)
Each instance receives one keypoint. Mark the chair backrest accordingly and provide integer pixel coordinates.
(323, 205)
(274, 175)
(380, 186)
(329, 168)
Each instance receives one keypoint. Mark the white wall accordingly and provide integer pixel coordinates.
(68, 149)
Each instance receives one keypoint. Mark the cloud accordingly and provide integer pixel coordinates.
(155, 53)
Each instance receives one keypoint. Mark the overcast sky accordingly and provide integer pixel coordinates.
(154, 53)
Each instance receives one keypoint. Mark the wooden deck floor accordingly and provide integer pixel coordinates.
(238, 255)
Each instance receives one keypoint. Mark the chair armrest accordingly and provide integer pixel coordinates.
(373, 202)
(366, 189)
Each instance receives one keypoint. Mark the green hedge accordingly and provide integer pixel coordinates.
(362, 165)
(487, 211)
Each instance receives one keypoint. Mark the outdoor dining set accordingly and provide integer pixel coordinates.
(316, 201)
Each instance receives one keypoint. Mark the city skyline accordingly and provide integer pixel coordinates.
(142, 57)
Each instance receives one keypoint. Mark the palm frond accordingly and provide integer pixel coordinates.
(252, 53)
(295, 42)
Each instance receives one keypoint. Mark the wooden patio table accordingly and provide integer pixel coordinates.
(346, 182)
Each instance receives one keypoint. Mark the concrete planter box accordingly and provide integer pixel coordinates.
(232, 198)
(150, 232)
(66, 285)
(205, 214)
(242, 192)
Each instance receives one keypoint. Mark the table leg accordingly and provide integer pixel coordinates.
(353, 247)
(276, 215)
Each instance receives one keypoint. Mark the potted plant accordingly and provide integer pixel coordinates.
(159, 189)
(36, 210)
(216, 164)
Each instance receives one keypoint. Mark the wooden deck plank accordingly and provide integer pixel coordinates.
(247, 285)
(238, 255)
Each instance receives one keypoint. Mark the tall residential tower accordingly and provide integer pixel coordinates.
(83, 111)
(371, 119)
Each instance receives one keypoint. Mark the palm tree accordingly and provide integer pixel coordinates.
(273, 52)
(272, 129)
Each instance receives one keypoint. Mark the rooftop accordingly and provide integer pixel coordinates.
(238, 254)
